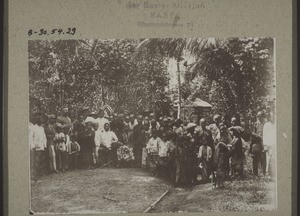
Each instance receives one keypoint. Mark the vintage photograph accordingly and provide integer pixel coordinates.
(152, 125)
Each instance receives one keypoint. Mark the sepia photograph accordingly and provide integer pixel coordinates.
(152, 125)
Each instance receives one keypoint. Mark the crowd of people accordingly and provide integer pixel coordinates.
(185, 152)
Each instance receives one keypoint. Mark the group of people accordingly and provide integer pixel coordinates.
(186, 152)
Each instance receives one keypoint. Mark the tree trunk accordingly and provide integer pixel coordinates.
(179, 90)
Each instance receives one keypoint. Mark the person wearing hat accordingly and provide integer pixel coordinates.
(38, 144)
(50, 134)
(64, 118)
(91, 117)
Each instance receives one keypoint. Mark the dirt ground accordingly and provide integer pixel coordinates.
(134, 190)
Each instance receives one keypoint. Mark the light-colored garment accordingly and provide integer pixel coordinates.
(269, 140)
(60, 140)
(97, 138)
(107, 138)
(67, 142)
(258, 126)
(163, 148)
(269, 134)
(214, 129)
(205, 155)
(153, 145)
(38, 137)
(101, 122)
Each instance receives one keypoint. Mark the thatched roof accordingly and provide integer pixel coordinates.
(197, 102)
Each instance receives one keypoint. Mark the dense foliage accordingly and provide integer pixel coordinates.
(93, 73)
(234, 75)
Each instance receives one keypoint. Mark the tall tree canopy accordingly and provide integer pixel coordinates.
(92, 73)
(234, 75)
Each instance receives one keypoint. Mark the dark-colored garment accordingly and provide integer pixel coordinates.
(105, 155)
(50, 132)
(61, 160)
(73, 160)
(163, 132)
(117, 126)
(37, 165)
(256, 148)
(236, 154)
(192, 161)
(221, 159)
(65, 121)
(204, 136)
(181, 161)
(181, 165)
(139, 142)
(88, 141)
(50, 156)
(86, 148)
(78, 128)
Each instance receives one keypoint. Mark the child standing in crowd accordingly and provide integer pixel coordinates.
(73, 149)
(97, 143)
(152, 150)
(60, 141)
(205, 158)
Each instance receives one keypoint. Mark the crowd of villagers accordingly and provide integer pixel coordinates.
(187, 153)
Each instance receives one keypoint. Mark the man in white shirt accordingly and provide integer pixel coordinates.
(107, 139)
(38, 143)
(269, 140)
(101, 120)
